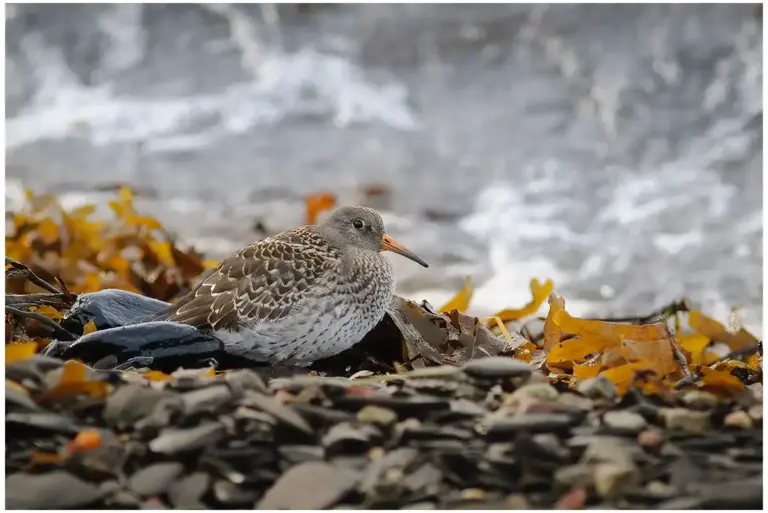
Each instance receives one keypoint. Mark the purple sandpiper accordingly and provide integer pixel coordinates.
(301, 295)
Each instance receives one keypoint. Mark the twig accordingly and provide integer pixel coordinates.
(676, 351)
(671, 309)
(70, 296)
(25, 300)
(57, 329)
(688, 381)
(737, 354)
(31, 276)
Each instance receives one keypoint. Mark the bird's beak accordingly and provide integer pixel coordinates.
(390, 244)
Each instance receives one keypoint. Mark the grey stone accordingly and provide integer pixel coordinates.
(624, 421)
(155, 479)
(683, 419)
(599, 388)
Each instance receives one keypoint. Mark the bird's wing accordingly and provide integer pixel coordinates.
(260, 283)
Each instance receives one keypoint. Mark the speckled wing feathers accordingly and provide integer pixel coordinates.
(259, 283)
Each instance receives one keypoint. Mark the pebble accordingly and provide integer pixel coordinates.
(44, 421)
(699, 400)
(206, 400)
(185, 493)
(348, 439)
(377, 415)
(651, 438)
(312, 485)
(173, 440)
(613, 478)
(155, 479)
(233, 495)
(576, 401)
(282, 412)
(597, 388)
(57, 489)
(131, 403)
(529, 394)
(624, 421)
(574, 475)
(683, 419)
(756, 413)
(18, 398)
(241, 380)
(607, 449)
(496, 367)
(529, 422)
(739, 420)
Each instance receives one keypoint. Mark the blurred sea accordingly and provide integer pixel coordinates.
(616, 149)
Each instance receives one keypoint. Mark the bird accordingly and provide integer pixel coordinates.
(300, 295)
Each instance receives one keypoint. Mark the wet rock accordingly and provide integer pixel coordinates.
(233, 495)
(501, 454)
(17, 398)
(174, 441)
(466, 408)
(424, 481)
(738, 420)
(624, 421)
(132, 402)
(574, 475)
(607, 449)
(293, 454)
(529, 422)
(576, 401)
(383, 417)
(155, 479)
(348, 439)
(164, 413)
(312, 485)
(32, 370)
(651, 439)
(611, 479)
(154, 503)
(431, 432)
(439, 387)
(241, 380)
(206, 400)
(110, 308)
(425, 505)
(122, 499)
(598, 388)
(683, 419)
(281, 412)
(548, 446)
(418, 406)
(185, 493)
(496, 367)
(661, 490)
(527, 395)
(320, 416)
(57, 489)
(384, 479)
(699, 400)
(42, 421)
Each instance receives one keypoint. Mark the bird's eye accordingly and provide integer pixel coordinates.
(357, 223)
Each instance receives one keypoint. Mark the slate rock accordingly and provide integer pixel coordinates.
(57, 489)
(311, 485)
(156, 478)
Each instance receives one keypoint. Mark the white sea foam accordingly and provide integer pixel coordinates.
(306, 82)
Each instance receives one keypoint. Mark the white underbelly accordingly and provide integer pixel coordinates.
(300, 339)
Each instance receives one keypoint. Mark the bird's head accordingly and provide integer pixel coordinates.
(363, 228)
